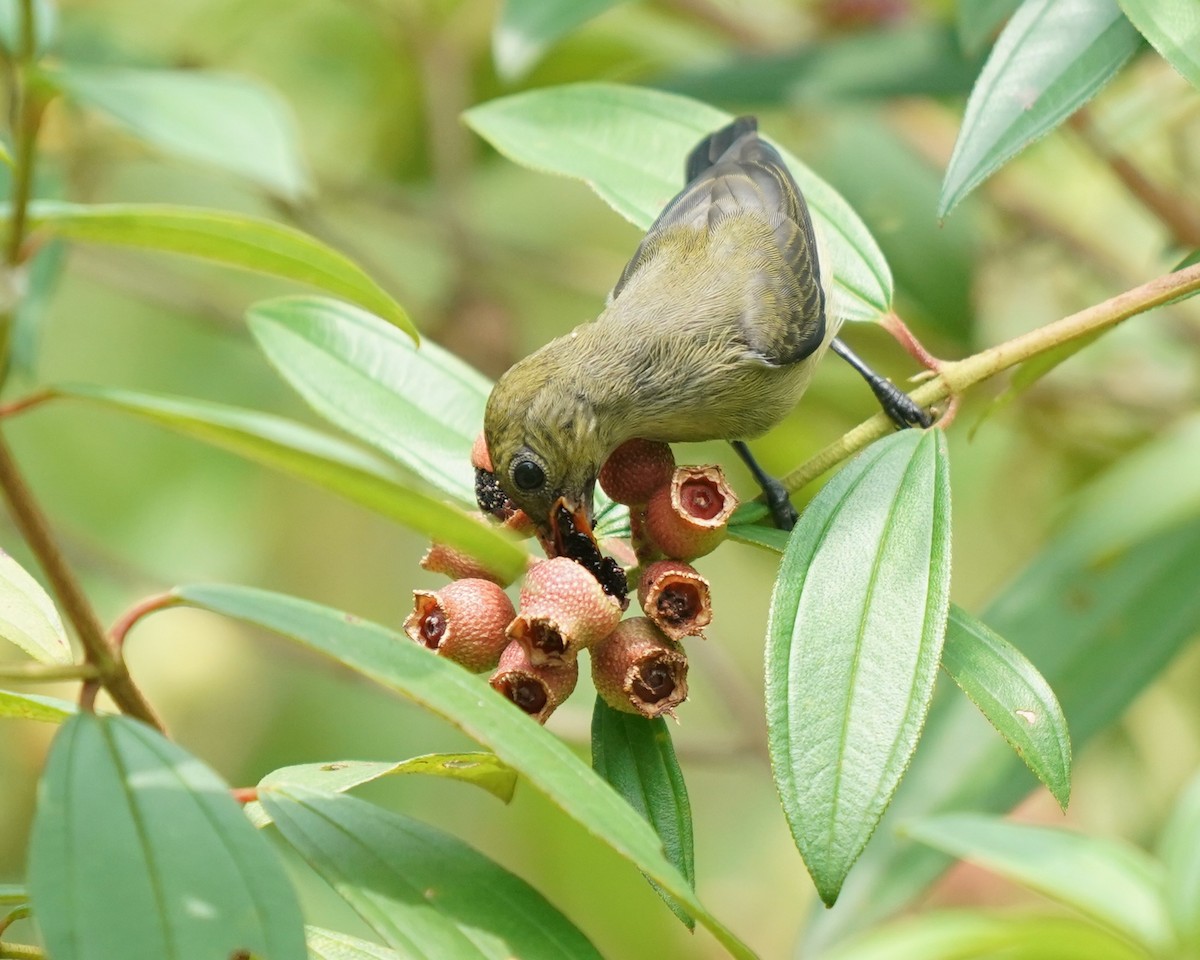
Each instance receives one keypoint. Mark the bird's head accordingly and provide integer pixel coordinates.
(546, 449)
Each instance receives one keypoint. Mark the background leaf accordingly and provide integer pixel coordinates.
(321, 460)
(527, 28)
(629, 145)
(139, 850)
(338, 776)
(28, 617)
(1173, 28)
(422, 407)
(853, 641)
(33, 706)
(223, 120)
(1051, 58)
(232, 239)
(1113, 883)
(962, 934)
(1013, 696)
(1179, 848)
(425, 892)
(466, 701)
(635, 755)
(979, 20)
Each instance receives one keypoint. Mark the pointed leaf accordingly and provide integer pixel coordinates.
(423, 407)
(636, 756)
(1013, 696)
(426, 893)
(138, 850)
(629, 145)
(469, 703)
(1099, 632)
(528, 28)
(28, 617)
(331, 945)
(33, 706)
(1114, 883)
(321, 460)
(1052, 58)
(1173, 27)
(1179, 849)
(223, 120)
(853, 642)
(232, 239)
(966, 935)
(481, 769)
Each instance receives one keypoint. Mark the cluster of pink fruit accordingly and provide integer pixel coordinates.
(638, 664)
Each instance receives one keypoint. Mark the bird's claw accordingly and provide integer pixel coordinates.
(780, 504)
(901, 409)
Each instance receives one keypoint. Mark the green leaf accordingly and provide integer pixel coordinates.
(12, 893)
(45, 269)
(466, 701)
(1115, 884)
(1179, 848)
(1013, 696)
(1173, 28)
(912, 59)
(974, 935)
(759, 535)
(528, 28)
(1052, 58)
(422, 407)
(138, 850)
(45, 25)
(331, 945)
(978, 21)
(636, 757)
(481, 769)
(28, 617)
(1162, 477)
(853, 641)
(6, 156)
(232, 239)
(322, 460)
(425, 892)
(1098, 633)
(629, 145)
(32, 706)
(230, 122)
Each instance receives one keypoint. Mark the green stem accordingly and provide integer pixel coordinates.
(110, 666)
(47, 673)
(20, 951)
(955, 378)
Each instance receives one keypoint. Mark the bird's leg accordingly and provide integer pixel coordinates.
(895, 402)
(782, 511)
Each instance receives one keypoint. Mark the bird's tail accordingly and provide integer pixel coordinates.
(709, 150)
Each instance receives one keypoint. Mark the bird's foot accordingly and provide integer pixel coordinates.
(780, 504)
(899, 406)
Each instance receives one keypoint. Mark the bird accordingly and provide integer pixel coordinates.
(712, 331)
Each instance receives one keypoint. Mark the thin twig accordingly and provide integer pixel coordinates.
(35, 528)
(46, 672)
(956, 377)
(20, 951)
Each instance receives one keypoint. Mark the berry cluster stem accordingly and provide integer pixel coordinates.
(956, 377)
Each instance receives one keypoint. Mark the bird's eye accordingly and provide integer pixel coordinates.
(528, 475)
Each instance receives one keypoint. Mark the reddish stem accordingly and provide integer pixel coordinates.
(125, 622)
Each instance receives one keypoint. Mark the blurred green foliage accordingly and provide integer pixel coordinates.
(491, 260)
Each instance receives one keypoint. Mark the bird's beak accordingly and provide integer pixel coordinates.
(569, 524)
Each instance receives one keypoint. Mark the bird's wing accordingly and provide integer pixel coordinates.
(733, 173)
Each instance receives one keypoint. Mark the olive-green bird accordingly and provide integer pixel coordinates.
(713, 331)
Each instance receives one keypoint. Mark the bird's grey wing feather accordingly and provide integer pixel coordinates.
(748, 178)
